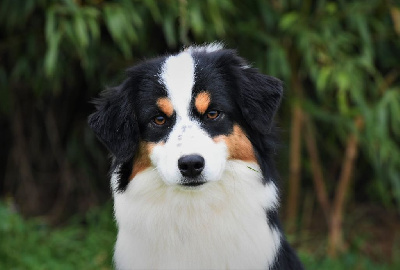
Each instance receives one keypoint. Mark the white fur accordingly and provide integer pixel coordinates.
(177, 74)
(208, 48)
(220, 225)
(271, 193)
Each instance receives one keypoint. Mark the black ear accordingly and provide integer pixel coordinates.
(114, 123)
(259, 99)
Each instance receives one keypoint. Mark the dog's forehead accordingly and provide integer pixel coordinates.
(178, 77)
(189, 74)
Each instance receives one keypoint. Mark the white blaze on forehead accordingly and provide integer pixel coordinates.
(177, 74)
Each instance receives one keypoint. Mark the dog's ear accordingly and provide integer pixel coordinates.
(259, 98)
(114, 122)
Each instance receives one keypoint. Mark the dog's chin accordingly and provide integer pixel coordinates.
(192, 183)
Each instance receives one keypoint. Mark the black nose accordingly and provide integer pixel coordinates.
(191, 165)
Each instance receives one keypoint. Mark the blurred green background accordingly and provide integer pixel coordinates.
(339, 121)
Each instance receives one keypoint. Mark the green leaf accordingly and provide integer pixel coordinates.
(51, 57)
(120, 29)
(81, 31)
(50, 25)
(323, 78)
(94, 29)
(196, 20)
(289, 20)
(169, 31)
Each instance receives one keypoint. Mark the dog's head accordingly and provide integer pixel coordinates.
(186, 115)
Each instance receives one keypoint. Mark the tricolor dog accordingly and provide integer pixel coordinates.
(193, 177)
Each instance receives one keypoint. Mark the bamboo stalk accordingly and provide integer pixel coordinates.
(295, 169)
(335, 243)
(316, 168)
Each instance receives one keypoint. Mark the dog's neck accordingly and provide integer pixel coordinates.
(218, 225)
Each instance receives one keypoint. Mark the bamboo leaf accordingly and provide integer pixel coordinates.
(169, 31)
(50, 27)
(121, 31)
(94, 29)
(322, 79)
(51, 57)
(81, 31)
(196, 20)
(289, 20)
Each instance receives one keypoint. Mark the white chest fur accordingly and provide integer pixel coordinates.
(222, 225)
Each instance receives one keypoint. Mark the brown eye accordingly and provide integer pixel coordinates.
(212, 114)
(159, 120)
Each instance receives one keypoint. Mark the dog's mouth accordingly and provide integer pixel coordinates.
(193, 184)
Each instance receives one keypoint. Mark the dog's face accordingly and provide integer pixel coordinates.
(186, 115)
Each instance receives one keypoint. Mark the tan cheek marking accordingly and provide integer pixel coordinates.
(238, 144)
(165, 106)
(142, 159)
(202, 102)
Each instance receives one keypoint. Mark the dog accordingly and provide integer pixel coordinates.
(192, 139)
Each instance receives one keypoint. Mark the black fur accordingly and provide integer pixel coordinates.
(114, 123)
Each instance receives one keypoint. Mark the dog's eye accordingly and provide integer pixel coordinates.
(159, 120)
(213, 114)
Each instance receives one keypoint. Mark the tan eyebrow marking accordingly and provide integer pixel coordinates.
(165, 106)
(202, 102)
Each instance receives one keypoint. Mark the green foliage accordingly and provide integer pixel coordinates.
(342, 55)
(82, 244)
(349, 260)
